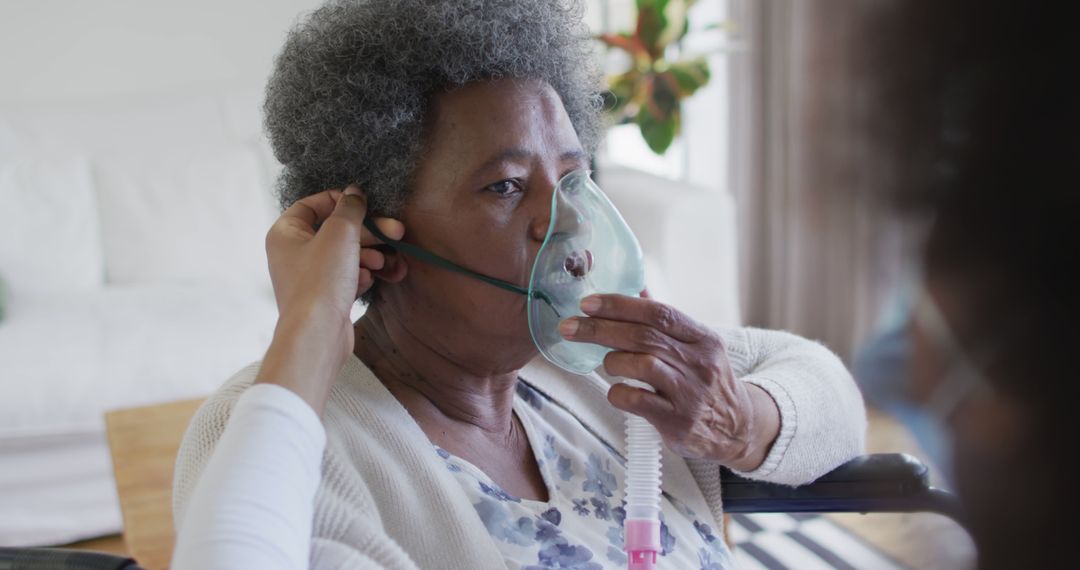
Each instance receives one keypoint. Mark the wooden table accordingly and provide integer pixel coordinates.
(144, 442)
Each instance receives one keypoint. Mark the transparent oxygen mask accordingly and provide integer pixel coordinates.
(588, 249)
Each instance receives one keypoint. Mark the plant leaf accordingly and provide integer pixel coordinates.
(651, 23)
(658, 133)
(622, 41)
(689, 76)
(663, 96)
(660, 4)
(677, 22)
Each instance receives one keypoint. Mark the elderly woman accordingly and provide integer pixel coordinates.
(445, 440)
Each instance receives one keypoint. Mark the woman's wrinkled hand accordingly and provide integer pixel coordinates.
(699, 407)
(321, 261)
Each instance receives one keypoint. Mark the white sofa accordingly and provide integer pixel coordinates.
(132, 243)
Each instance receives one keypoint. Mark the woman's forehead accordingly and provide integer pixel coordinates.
(485, 119)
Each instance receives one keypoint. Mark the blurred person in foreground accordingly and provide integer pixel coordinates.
(973, 121)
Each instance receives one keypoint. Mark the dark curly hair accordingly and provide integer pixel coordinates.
(348, 97)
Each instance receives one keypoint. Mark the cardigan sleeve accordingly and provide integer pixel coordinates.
(254, 503)
(822, 417)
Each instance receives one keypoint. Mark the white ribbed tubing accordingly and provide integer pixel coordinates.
(642, 466)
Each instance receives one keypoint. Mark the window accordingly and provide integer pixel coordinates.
(700, 154)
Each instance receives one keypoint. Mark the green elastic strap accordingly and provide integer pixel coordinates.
(433, 259)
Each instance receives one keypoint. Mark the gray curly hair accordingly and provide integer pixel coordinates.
(348, 97)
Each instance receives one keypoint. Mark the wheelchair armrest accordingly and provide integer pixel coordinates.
(890, 483)
(62, 559)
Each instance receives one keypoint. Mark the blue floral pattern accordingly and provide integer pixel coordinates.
(581, 525)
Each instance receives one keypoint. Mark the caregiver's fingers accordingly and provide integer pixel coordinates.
(346, 222)
(644, 367)
(372, 259)
(390, 228)
(300, 221)
(312, 210)
(660, 316)
(364, 281)
(655, 408)
(310, 213)
(394, 268)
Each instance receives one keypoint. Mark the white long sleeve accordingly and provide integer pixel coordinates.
(253, 505)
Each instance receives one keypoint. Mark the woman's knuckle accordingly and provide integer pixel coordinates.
(665, 316)
(586, 328)
(646, 336)
(712, 341)
(652, 365)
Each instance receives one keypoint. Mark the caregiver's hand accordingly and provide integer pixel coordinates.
(700, 408)
(320, 263)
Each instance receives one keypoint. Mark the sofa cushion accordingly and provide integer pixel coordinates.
(195, 215)
(50, 237)
(69, 358)
(178, 177)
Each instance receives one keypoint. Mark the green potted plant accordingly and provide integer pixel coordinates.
(651, 91)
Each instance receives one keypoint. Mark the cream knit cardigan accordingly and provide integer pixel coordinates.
(387, 501)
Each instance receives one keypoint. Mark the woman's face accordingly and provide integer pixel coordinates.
(481, 197)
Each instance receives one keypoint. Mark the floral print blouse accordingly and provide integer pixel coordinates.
(581, 525)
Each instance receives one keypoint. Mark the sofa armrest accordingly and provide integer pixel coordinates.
(689, 232)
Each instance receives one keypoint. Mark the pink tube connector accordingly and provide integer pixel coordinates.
(641, 543)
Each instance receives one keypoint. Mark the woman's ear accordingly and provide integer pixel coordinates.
(394, 268)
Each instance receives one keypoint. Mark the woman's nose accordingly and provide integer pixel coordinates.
(569, 219)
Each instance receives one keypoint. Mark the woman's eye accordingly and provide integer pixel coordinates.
(505, 188)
